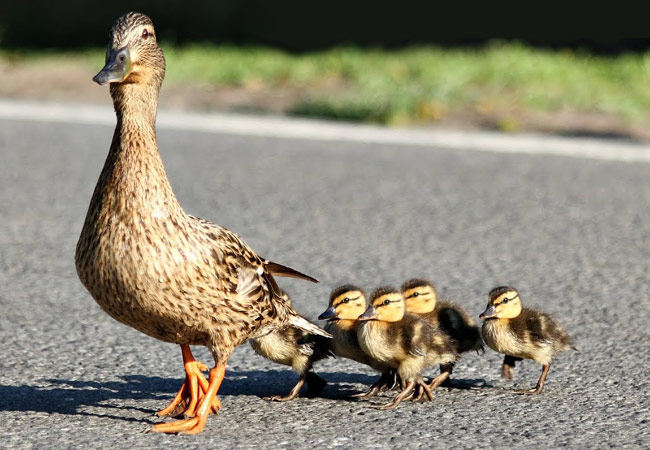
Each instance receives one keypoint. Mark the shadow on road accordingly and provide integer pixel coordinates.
(72, 396)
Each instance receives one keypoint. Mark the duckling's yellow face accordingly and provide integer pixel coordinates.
(420, 299)
(350, 305)
(347, 305)
(502, 304)
(386, 307)
(133, 55)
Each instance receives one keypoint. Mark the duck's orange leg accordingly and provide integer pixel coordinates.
(197, 423)
(193, 389)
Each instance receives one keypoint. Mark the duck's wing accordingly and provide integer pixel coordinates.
(229, 242)
(254, 283)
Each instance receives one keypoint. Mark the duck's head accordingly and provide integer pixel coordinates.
(420, 296)
(347, 302)
(133, 55)
(503, 303)
(386, 305)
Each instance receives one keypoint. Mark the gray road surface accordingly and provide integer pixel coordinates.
(570, 233)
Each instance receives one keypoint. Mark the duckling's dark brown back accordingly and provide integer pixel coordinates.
(437, 346)
(455, 322)
(538, 326)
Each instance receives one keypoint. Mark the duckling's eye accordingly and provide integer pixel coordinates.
(345, 300)
(415, 294)
(506, 300)
(386, 302)
(145, 33)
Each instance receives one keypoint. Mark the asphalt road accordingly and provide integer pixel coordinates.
(570, 233)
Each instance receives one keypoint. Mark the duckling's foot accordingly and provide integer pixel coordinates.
(410, 386)
(540, 383)
(533, 391)
(421, 389)
(387, 381)
(291, 395)
(192, 390)
(374, 389)
(196, 424)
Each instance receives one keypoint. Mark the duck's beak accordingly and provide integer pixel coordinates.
(489, 312)
(370, 314)
(330, 313)
(117, 68)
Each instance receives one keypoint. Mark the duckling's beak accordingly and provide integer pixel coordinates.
(330, 313)
(117, 68)
(370, 314)
(489, 312)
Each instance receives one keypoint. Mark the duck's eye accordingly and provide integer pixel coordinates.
(345, 300)
(145, 33)
(415, 294)
(386, 302)
(506, 300)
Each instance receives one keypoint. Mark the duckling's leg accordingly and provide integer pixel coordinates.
(197, 423)
(540, 383)
(386, 382)
(396, 382)
(292, 394)
(445, 372)
(508, 368)
(408, 390)
(446, 368)
(192, 389)
(422, 388)
(315, 384)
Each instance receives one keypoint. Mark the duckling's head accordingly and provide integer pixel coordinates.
(503, 303)
(347, 302)
(420, 296)
(133, 55)
(386, 305)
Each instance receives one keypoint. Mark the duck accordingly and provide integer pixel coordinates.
(150, 265)
(294, 347)
(522, 333)
(422, 300)
(346, 303)
(402, 341)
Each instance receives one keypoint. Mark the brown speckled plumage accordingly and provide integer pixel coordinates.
(145, 261)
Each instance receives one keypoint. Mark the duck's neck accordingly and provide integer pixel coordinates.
(136, 106)
(134, 173)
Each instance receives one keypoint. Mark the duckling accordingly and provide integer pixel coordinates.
(346, 304)
(402, 341)
(294, 347)
(152, 266)
(422, 300)
(522, 333)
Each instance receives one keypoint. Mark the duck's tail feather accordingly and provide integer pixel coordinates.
(298, 322)
(284, 271)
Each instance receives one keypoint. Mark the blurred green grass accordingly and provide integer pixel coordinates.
(414, 85)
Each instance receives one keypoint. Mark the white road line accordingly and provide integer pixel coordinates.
(292, 128)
